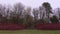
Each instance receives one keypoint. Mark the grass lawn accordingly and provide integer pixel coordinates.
(29, 31)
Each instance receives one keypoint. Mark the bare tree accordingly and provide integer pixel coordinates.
(35, 13)
(42, 12)
(58, 13)
(18, 8)
(17, 11)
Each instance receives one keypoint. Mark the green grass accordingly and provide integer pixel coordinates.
(29, 31)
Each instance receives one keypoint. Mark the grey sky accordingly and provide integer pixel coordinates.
(32, 3)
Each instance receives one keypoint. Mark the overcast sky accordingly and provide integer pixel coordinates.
(32, 3)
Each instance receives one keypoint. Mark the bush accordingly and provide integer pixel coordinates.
(54, 19)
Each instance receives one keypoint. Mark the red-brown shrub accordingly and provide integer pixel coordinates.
(11, 27)
(47, 26)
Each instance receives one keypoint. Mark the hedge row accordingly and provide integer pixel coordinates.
(37, 26)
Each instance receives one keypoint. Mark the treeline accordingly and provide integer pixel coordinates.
(20, 14)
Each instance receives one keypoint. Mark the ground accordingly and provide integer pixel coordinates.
(29, 31)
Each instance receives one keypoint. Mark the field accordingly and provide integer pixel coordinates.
(29, 31)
